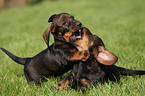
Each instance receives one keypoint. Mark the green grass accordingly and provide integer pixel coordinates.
(120, 23)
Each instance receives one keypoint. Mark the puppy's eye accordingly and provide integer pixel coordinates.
(64, 23)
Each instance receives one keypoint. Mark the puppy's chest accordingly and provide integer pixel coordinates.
(91, 66)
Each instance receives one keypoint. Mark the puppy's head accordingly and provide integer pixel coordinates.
(85, 40)
(95, 45)
(62, 27)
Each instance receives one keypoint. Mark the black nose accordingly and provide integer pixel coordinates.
(79, 24)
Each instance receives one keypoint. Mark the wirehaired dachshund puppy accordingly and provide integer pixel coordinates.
(99, 67)
(59, 57)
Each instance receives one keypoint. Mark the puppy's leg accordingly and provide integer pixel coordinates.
(80, 81)
(32, 76)
(63, 83)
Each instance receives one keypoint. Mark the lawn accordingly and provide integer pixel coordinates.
(120, 23)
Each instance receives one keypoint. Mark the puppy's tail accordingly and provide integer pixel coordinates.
(124, 71)
(19, 60)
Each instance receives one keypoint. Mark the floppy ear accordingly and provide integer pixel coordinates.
(46, 34)
(104, 56)
(51, 18)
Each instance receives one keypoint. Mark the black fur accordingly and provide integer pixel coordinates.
(50, 62)
(95, 72)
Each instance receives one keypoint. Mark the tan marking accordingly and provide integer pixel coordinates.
(84, 82)
(67, 36)
(63, 84)
(73, 75)
(79, 55)
(59, 33)
(86, 42)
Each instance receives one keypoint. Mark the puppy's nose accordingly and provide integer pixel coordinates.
(79, 24)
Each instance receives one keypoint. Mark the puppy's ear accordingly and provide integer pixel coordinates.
(51, 18)
(105, 57)
(102, 54)
(46, 34)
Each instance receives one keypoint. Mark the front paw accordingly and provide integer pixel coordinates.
(58, 86)
(86, 55)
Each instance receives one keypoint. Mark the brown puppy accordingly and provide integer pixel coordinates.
(62, 27)
(57, 58)
(98, 67)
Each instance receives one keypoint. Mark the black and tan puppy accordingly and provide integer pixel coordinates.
(98, 67)
(57, 58)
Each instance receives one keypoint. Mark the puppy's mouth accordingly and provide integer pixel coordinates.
(76, 35)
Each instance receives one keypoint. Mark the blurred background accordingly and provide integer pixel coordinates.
(14, 3)
(117, 21)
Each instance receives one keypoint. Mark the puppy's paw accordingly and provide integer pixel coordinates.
(58, 86)
(86, 55)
